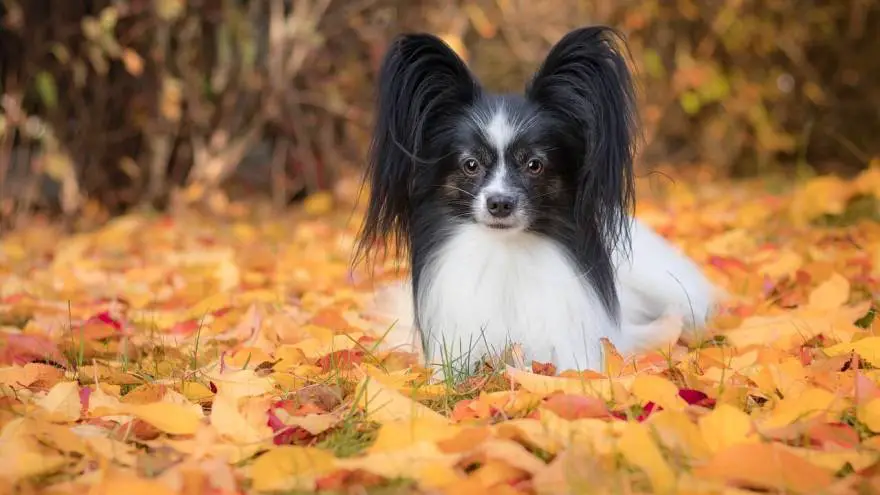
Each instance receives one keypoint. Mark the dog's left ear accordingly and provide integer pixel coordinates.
(586, 84)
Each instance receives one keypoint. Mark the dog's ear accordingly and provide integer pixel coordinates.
(421, 81)
(585, 83)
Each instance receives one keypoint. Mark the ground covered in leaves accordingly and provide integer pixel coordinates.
(195, 354)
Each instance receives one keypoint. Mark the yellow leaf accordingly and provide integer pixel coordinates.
(656, 389)
(240, 383)
(788, 377)
(726, 426)
(640, 450)
(401, 434)
(867, 348)
(133, 62)
(831, 294)
(289, 468)
(382, 403)
(553, 433)
(836, 460)
(869, 414)
(62, 402)
(174, 419)
(782, 263)
(423, 462)
(129, 484)
(195, 391)
(480, 20)
(312, 423)
(319, 203)
(103, 404)
(604, 388)
(456, 43)
(677, 432)
(22, 455)
(809, 404)
(826, 195)
(206, 306)
(60, 437)
(229, 422)
(868, 181)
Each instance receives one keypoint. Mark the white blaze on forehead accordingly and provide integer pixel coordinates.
(500, 133)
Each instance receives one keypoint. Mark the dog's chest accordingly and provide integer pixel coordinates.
(488, 289)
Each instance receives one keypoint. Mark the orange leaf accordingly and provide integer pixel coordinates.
(768, 466)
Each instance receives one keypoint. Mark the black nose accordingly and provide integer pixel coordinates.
(500, 205)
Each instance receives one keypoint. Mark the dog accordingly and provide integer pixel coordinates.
(515, 211)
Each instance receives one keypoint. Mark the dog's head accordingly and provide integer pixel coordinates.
(561, 153)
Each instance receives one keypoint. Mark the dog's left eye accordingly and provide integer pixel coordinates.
(470, 166)
(535, 166)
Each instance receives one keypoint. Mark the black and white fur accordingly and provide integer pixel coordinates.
(515, 210)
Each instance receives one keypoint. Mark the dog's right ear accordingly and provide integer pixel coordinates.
(421, 81)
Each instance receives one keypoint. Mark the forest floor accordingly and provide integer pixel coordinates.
(233, 353)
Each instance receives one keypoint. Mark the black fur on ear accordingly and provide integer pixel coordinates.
(586, 84)
(421, 81)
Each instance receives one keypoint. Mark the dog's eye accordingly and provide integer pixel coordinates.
(470, 166)
(535, 166)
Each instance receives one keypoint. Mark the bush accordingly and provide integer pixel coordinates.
(137, 101)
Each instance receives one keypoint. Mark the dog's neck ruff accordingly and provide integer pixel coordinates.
(483, 290)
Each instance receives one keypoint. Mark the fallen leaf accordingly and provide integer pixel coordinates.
(768, 466)
(174, 419)
(832, 294)
(62, 403)
(806, 405)
(656, 389)
(382, 403)
(639, 449)
(869, 414)
(603, 388)
(290, 468)
(115, 482)
(726, 426)
(867, 348)
(402, 433)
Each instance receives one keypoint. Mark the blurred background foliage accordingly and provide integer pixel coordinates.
(110, 104)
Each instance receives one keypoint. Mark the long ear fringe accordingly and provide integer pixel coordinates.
(586, 80)
(420, 79)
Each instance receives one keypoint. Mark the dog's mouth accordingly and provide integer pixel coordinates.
(506, 225)
(499, 226)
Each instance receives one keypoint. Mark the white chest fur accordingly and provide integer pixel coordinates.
(485, 289)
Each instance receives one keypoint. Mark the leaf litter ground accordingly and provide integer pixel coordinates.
(196, 354)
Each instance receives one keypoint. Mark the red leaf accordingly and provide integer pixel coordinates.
(650, 408)
(865, 389)
(696, 398)
(220, 312)
(185, 328)
(727, 264)
(84, 394)
(23, 349)
(463, 410)
(806, 355)
(104, 317)
(283, 433)
(833, 435)
(12, 299)
(341, 360)
(547, 369)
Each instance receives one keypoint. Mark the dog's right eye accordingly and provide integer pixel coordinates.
(470, 166)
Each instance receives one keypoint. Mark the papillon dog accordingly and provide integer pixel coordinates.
(515, 211)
